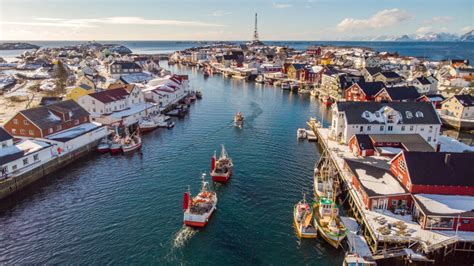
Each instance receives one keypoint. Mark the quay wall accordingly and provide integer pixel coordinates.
(16, 183)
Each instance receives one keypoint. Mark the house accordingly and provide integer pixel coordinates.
(387, 145)
(327, 59)
(435, 172)
(350, 118)
(397, 94)
(6, 139)
(311, 74)
(363, 91)
(118, 68)
(346, 80)
(166, 91)
(43, 121)
(313, 51)
(370, 72)
(118, 106)
(388, 77)
(23, 155)
(435, 99)
(378, 187)
(293, 71)
(83, 87)
(423, 85)
(458, 111)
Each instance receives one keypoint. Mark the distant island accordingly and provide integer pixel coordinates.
(17, 46)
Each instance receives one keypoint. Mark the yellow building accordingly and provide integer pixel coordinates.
(83, 87)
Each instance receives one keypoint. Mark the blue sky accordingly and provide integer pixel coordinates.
(228, 20)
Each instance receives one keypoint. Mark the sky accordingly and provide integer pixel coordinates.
(229, 20)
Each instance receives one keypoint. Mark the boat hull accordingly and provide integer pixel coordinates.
(131, 149)
(198, 220)
(103, 149)
(115, 150)
(147, 129)
(221, 178)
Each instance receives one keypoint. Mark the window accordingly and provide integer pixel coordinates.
(76, 122)
(14, 167)
(31, 132)
(361, 128)
(408, 114)
(401, 165)
(369, 128)
(394, 203)
(429, 138)
(411, 128)
(59, 127)
(422, 129)
(35, 157)
(440, 222)
(419, 114)
(403, 128)
(22, 132)
(15, 121)
(25, 122)
(25, 161)
(51, 130)
(93, 102)
(14, 131)
(381, 128)
(390, 128)
(366, 114)
(377, 114)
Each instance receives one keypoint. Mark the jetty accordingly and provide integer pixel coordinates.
(414, 244)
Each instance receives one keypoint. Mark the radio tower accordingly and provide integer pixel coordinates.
(255, 33)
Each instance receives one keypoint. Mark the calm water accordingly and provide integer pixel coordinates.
(431, 50)
(127, 209)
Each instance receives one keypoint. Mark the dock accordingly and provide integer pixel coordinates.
(429, 243)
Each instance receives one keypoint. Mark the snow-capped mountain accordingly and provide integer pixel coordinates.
(467, 37)
(436, 37)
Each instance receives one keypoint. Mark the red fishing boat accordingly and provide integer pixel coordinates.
(198, 210)
(221, 169)
(116, 145)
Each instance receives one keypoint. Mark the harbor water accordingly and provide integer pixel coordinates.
(128, 209)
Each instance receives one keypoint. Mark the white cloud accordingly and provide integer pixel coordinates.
(382, 19)
(424, 29)
(281, 5)
(439, 19)
(220, 13)
(95, 22)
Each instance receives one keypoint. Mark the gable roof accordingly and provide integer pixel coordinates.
(44, 118)
(364, 141)
(440, 168)
(402, 93)
(411, 142)
(4, 135)
(126, 64)
(109, 96)
(371, 88)
(389, 74)
(423, 80)
(354, 112)
(373, 70)
(465, 99)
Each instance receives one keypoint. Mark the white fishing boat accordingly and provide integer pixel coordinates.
(239, 120)
(147, 125)
(104, 146)
(131, 143)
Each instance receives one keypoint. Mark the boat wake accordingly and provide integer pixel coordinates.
(183, 236)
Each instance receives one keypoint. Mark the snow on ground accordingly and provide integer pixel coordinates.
(451, 145)
(446, 203)
(356, 242)
(48, 85)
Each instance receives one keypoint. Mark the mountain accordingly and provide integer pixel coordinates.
(467, 37)
(436, 37)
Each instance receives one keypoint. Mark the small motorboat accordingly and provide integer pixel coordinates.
(198, 210)
(302, 219)
(147, 125)
(169, 124)
(301, 133)
(221, 169)
(259, 79)
(285, 86)
(104, 146)
(238, 120)
(131, 143)
(199, 95)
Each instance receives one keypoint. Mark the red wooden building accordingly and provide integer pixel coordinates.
(363, 91)
(387, 145)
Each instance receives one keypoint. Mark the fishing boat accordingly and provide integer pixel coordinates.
(131, 143)
(198, 210)
(313, 93)
(303, 220)
(116, 145)
(301, 133)
(323, 177)
(259, 79)
(147, 125)
(104, 146)
(285, 86)
(221, 169)
(294, 86)
(303, 91)
(199, 95)
(326, 100)
(238, 120)
(206, 73)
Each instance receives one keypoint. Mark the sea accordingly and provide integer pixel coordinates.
(431, 50)
(113, 210)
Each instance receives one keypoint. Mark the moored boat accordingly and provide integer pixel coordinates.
(301, 133)
(147, 125)
(302, 220)
(104, 146)
(353, 259)
(238, 120)
(198, 95)
(131, 143)
(326, 219)
(285, 86)
(116, 145)
(221, 169)
(198, 210)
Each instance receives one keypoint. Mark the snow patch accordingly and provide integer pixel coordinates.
(385, 185)
(446, 204)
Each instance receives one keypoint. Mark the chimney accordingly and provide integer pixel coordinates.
(447, 158)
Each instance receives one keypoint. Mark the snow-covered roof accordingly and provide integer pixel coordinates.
(134, 109)
(446, 204)
(74, 132)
